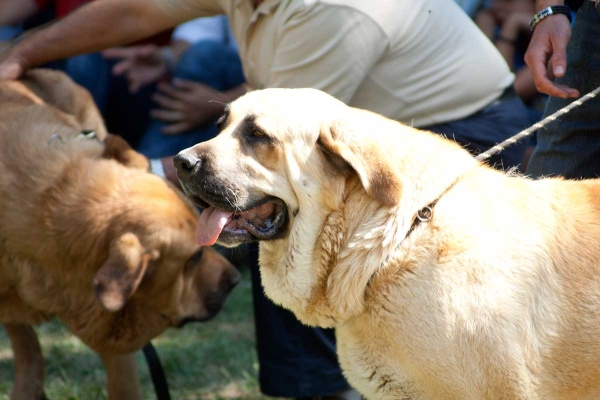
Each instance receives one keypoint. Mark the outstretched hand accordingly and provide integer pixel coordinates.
(546, 55)
(186, 105)
(141, 65)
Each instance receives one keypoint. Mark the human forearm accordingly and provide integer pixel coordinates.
(95, 26)
(541, 4)
(14, 12)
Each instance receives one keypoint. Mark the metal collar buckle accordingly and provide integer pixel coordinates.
(425, 214)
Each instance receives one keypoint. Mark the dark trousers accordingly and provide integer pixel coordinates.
(295, 360)
(493, 124)
(570, 146)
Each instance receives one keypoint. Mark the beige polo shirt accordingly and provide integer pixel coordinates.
(421, 62)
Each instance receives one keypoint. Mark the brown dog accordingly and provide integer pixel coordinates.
(443, 278)
(88, 235)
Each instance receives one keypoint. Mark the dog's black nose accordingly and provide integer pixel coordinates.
(186, 163)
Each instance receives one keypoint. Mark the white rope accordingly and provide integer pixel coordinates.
(514, 139)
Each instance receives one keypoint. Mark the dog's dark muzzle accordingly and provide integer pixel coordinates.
(187, 164)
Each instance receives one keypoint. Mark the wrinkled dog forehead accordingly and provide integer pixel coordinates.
(285, 109)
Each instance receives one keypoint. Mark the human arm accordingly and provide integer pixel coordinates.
(546, 55)
(14, 12)
(97, 25)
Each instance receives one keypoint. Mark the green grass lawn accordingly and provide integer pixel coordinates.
(212, 360)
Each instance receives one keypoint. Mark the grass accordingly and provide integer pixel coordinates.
(212, 360)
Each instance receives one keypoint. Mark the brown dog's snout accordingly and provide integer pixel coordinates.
(214, 300)
(187, 163)
(230, 280)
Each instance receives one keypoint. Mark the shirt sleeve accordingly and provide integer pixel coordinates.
(331, 48)
(185, 10)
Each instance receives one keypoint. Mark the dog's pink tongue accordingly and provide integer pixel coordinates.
(210, 225)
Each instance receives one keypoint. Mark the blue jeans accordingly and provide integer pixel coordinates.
(92, 72)
(570, 146)
(9, 32)
(212, 63)
(491, 125)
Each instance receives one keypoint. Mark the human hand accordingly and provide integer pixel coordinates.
(186, 105)
(11, 68)
(546, 55)
(142, 65)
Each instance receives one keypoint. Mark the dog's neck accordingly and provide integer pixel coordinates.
(322, 273)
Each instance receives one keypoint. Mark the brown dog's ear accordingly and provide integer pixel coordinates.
(367, 159)
(59, 90)
(119, 277)
(116, 148)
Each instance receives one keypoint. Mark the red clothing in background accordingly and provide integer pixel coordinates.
(64, 7)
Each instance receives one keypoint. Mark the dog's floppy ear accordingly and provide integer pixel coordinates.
(59, 90)
(366, 158)
(119, 277)
(116, 148)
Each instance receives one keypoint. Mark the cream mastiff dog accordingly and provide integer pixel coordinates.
(493, 292)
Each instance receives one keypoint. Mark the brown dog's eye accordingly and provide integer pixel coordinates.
(194, 259)
(258, 133)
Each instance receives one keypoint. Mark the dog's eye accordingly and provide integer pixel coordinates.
(194, 259)
(258, 133)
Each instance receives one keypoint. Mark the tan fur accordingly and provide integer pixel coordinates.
(497, 297)
(89, 236)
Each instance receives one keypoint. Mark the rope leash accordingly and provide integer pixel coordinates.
(523, 134)
(425, 214)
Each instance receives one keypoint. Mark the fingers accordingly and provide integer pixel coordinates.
(176, 129)
(130, 52)
(167, 115)
(135, 84)
(565, 91)
(119, 52)
(185, 84)
(558, 61)
(172, 91)
(121, 67)
(10, 70)
(543, 74)
(168, 102)
(536, 59)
